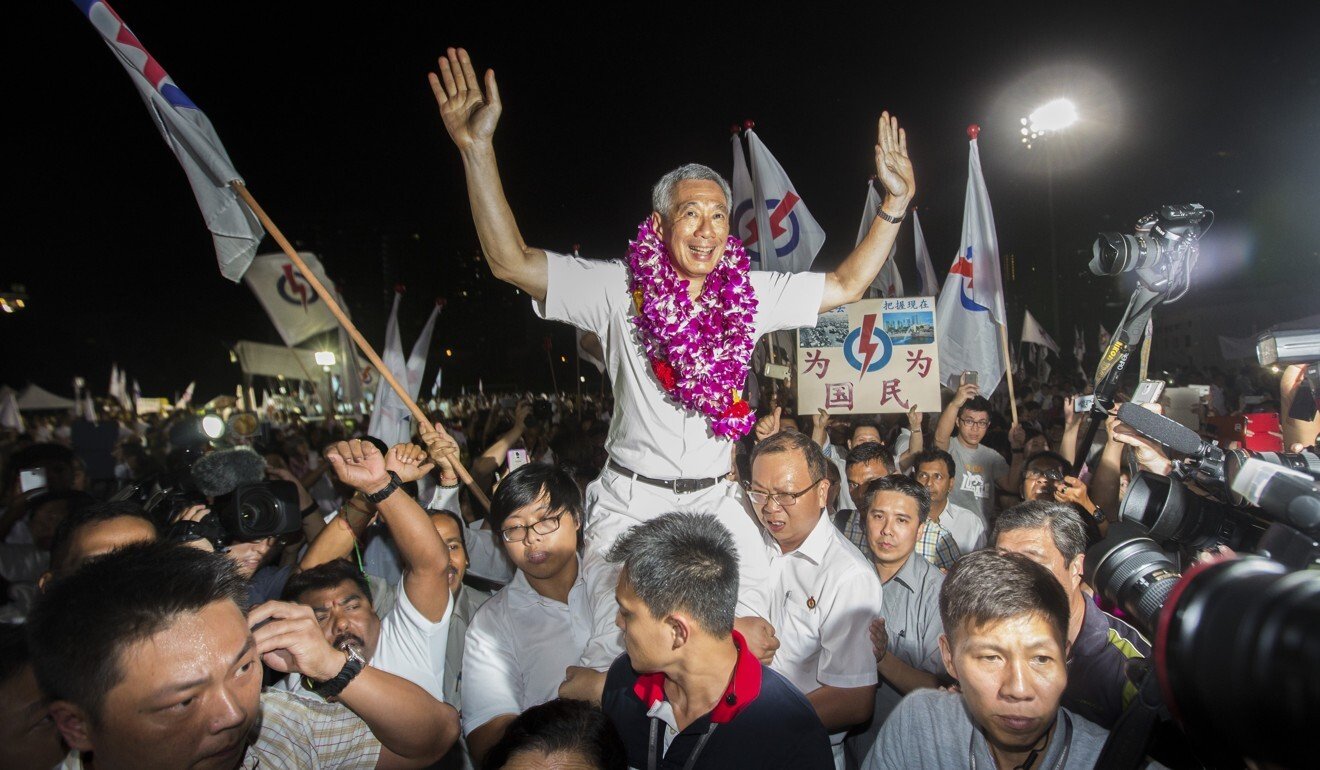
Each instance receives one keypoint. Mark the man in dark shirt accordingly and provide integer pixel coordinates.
(703, 700)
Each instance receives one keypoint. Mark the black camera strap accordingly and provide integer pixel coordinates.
(1125, 749)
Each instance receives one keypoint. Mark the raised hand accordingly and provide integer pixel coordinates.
(914, 419)
(289, 640)
(893, 167)
(442, 449)
(358, 464)
(468, 114)
(409, 461)
(769, 425)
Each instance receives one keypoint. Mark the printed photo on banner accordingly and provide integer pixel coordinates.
(873, 356)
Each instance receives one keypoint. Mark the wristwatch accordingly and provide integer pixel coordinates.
(352, 667)
(885, 215)
(375, 498)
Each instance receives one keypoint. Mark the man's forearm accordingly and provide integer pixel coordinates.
(842, 707)
(425, 557)
(508, 255)
(905, 678)
(1103, 489)
(915, 446)
(848, 282)
(944, 428)
(403, 717)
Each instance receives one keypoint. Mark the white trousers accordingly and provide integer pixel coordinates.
(616, 503)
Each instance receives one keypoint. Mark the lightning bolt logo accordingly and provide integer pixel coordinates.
(295, 286)
(866, 342)
(777, 217)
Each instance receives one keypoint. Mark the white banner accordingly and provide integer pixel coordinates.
(296, 310)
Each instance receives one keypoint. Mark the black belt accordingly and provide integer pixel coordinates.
(680, 486)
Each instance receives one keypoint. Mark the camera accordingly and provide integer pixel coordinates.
(1161, 238)
(245, 506)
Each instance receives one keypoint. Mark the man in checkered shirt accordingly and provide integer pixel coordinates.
(149, 663)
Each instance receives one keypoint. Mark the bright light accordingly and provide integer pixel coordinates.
(1053, 116)
(213, 426)
(449, 353)
(325, 358)
(582, 379)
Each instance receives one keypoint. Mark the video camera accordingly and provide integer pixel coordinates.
(1236, 656)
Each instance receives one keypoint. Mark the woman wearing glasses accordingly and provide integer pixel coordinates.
(522, 639)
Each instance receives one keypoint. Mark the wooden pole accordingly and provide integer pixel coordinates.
(1008, 369)
(338, 312)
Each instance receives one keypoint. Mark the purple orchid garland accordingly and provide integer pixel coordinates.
(700, 351)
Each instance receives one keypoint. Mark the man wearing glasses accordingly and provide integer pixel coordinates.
(980, 470)
(825, 593)
(523, 639)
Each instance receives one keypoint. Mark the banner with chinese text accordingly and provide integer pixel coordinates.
(870, 357)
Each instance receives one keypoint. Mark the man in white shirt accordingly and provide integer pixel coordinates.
(663, 457)
(826, 593)
(410, 640)
(523, 639)
(935, 471)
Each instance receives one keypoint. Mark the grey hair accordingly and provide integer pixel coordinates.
(1066, 527)
(662, 195)
(683, 561)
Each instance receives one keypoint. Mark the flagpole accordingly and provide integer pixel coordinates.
(352, 330)
(1008, 362)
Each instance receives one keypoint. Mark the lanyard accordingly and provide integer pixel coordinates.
(1058, 764)
(652, 748)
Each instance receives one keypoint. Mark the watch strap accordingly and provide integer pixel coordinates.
(329, 689)
(375, 498)
(885, 215)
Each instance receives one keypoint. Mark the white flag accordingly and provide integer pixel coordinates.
(10, 416)
(389, 417)
(930, 285)
(417, 358)
(186, 398)
(888, 282)
(114, 382)
(235, 230)
(87, 408)
(744, 217)
(350, 369)
(1034, 333)
(296, 310)
(787, 237)
(972, 302)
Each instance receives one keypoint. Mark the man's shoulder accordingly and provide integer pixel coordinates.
(781, 703)
(1088, 738)
(602, 270)
(962, 515)
(843, 557)
(1115, 634)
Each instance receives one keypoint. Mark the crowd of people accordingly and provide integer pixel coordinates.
(667, 577)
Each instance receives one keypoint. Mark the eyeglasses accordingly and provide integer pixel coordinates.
(543, 527)
(1052, 474)
(781, 499)
(975, 423)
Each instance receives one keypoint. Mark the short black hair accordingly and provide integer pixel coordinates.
(323, 576)
(976, 404)
(80, 626)
(683, 561)
(895, 482)
(81, 516)
(523, 486)
(790, 441)
(934, 456)
(562, 726)
(863, 422)
(988, 585)
(869, 453)
(1046, 454)
(1066, 526)
(435, 513)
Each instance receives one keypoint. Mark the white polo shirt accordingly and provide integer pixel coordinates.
(827, 596)
(650, 433)
(518, 647)
(965, 525)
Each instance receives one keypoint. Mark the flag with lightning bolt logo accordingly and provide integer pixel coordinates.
(971, 306)
(235, 230)
(781, 233)
(294, 308)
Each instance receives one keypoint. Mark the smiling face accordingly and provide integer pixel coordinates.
(788, 473)
(540, 556)
(189, 697)
(1012, 675)
(345, 616)
(696, 230)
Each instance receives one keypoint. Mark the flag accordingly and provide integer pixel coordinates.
(137, 395)
(186, 398)
(435, 386)
(786, 237)
(189, 134)
(87, 409)
(972, 301)
(114, 381)
(10, 416)
(296, 310)
(389, 414)
(888, 282)
(744, 217)
(930, 285)
(589, 349)
(1033, 333)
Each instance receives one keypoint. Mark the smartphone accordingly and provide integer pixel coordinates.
(1148, 392)
(969, 378)
(1083, 403)
(776, 371)
(32, 479)
(516, 458)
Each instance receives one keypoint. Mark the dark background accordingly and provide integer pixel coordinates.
(325, 110)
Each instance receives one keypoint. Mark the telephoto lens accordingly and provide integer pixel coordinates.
(1172, 515)
(1130, 570)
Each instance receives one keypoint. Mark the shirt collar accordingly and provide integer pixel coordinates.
(814, 547)
(522, 595)
(744, 686)
(907, 574)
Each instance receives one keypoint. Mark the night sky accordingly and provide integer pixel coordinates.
(329, 118)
